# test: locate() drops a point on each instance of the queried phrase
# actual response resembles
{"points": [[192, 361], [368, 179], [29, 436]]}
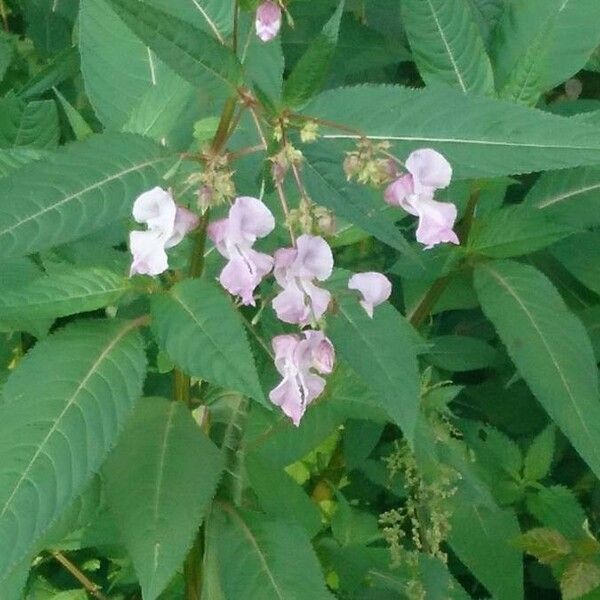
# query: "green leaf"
{"points": [[63, 409], [327, 185], [61, 67], [447, 44], [487, 13], [481, 137], [557, 507], [31, 125], [311, 70], [160, 480], [580, 255], [78, 124], [513, 231], [264, 559], [579, 578], [539, 457], [547, 545], [478, 533], [191, 53], [568, 51], [459, 353], [75, 191], [6, 55], [198, 327], [549, 346], [382, 353], [569, 196], [17, 157], [63, 294]]}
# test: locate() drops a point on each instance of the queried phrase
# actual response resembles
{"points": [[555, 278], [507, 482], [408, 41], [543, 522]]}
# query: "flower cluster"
{"points": [[299, 270], [268, 20]]}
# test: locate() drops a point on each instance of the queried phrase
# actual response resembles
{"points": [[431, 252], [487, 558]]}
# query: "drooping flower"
{"points": [[248, 220], [167, 225], [375, 288], [268, 20], [300, 359], [428, 171], [301, 301]]}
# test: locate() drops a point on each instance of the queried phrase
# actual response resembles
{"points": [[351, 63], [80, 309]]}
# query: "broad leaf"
{"points": [[61, 67], [198, 327], [570, 196], [191, 53], [549, 346], [459, 353], [311, 70], [17, 157], [447, 44], [580, 255], [574, 37], [62, 294], [31, 125], [481, 137], [76, 191], [382, 352], [63, 409], [264, 559], [159, 481]]}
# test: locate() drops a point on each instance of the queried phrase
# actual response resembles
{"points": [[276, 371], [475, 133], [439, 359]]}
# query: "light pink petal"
{"points": [[436, 220], [149, 256], [156, 208], [430, 170], [185, 221], [268, 21], [284, 259], [217, 232], [291, 307], [401, 193], [314, 258], [249, 219], [318, 301], [284, 346], [288, 396], [242, 274], [374, 287], [322, 352]]}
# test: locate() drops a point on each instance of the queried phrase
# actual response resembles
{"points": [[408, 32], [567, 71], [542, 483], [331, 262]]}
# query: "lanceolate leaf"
{"points": [[63, 408], [59, 295], [198, 327], [17, 157], [481, 137], [75, 191], [264, 559], [31, 125], [381, 351], [195, 55], [549, 346], [311, 70], [447, 44], [159, 481]]}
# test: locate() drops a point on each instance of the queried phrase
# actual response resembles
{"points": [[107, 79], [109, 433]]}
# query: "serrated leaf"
{"points": [[62, 294], [580, 255], [579, 578], [477, 533], [558, 508], [29, 125], [382, 353], [459, 353], [191, 53], [570, 196], [15, 158], [61, 67], [447, 45], [198, 327], [79, 126], [481, 137], [549, 346], [264, 559], [160, 480], [310, 71], [487, 13], [547, 545], [75, 191], [55, 431], [567, 52], [539, 457], [513, 231]]}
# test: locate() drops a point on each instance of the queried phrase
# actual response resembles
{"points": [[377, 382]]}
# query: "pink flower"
{"points": [[268, 20], [374, 287], [301, 301], [428, 171], [167, 225], [299, 358], [248, 220]]}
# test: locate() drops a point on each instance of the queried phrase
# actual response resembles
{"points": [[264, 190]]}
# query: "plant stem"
{"points": [[236, 19], [223, 130], [429, 301], [4, 15], [197, 259], [192, 569], [89, 585]]}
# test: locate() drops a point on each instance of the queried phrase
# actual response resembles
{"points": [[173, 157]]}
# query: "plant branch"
{"points": [[4, 15], [89, 585], [428, 302]]}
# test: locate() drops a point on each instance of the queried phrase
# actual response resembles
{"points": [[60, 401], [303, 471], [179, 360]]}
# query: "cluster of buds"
{"points": [[287, 157], [370, 163], [312, 218], [215, 183]]}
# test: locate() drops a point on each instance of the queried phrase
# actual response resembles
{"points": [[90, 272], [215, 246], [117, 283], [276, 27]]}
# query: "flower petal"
{"points": [[157, 209], [374, 287], [288, 396], [314, 258], [185, 221], [430, 171], [268, 20], [436, 220], [290, 305], [322, 352], [149, 256], [400, 193], [249, 219]]}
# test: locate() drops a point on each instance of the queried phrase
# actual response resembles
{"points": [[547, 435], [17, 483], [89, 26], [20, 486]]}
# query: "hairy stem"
{"points": [[90, 587]]}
